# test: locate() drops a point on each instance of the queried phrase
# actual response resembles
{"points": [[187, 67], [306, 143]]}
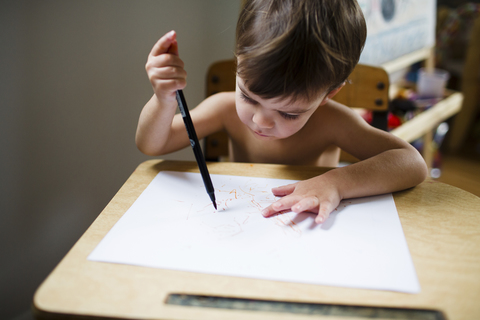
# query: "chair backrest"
{"points": [[367, 89], [221, 76]]}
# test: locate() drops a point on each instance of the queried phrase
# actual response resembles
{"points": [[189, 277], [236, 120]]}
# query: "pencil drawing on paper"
{"points": [[247, 200]]}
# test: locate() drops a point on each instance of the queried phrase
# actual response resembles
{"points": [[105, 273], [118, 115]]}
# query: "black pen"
{"points": [[192, 135]]}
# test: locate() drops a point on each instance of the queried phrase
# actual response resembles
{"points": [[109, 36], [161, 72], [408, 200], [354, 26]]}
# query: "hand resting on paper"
{"points": [[312, 195]]}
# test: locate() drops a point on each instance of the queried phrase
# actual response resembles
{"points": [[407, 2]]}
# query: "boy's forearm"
{"points": [[390, 171], [154, 126]]}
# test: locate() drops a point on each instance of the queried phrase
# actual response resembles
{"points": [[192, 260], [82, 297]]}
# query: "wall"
{"points": [[396, 28], [72, 84]]}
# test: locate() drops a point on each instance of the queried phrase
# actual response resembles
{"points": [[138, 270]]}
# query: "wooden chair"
{"points": [[367, 89]]}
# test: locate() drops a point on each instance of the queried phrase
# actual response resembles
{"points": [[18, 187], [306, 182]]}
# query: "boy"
{"points": [[293, 56]]}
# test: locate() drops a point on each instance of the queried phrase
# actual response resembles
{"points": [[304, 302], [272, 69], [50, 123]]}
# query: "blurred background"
{"points": [[72, 85]]}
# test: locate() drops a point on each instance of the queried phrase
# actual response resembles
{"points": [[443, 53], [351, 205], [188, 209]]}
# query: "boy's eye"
{"points": [[247, 99], [288, 116]]}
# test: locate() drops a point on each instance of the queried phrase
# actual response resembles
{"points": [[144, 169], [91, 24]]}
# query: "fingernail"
{"points": [[264, 212], [170, 34]]}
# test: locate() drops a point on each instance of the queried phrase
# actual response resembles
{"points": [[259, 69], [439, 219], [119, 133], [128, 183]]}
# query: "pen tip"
{"points": [[212, 197]]}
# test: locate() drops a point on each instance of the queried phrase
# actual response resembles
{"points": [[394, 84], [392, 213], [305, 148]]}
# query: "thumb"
{"points": [[173, 48], [166, 44], [284, 190]]}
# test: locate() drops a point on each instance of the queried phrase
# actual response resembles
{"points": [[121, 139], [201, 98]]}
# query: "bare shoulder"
{"points": [[334, 111], [337, 119], [212, 114], [217, 105], [220, 101], [354, 135]]}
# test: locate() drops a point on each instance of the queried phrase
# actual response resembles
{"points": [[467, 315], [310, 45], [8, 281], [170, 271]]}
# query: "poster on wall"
{"points": [[396, 28]]}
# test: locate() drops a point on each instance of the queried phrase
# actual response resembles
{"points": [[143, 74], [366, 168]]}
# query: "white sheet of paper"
{"points": [[173, 225]]}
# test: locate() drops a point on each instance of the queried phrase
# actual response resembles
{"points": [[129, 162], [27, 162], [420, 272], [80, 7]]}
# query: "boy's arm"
{"points": [[388, 164], [159, 130], [167, 75]]}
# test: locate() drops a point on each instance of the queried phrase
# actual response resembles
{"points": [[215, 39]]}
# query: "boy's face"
{"points": [[273, 119]]}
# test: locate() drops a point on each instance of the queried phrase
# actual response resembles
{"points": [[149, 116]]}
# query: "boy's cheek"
{"points": [[288, 129], [243, 114]]}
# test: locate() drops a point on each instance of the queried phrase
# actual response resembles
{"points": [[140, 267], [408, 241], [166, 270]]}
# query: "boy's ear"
{"points": [[331, 94]]}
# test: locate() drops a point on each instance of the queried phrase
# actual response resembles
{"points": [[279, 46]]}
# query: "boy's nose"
{"points": [[262, 120]]}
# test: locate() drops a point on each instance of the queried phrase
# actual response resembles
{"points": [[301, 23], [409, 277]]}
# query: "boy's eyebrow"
{"points": [[285, 111]]}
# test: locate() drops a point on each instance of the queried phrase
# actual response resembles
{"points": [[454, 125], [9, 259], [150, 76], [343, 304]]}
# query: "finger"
{"points": [[326, 208], [162, 61], [282, 204], [169, 72], [309, 204], [284, 190], [164, 44]]}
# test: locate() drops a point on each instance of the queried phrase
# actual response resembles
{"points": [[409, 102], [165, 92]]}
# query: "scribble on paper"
{"points": [[285, 221], [249, 199]]}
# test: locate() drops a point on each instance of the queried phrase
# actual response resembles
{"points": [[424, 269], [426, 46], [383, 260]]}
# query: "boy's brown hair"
{"points": [[296, 48]]}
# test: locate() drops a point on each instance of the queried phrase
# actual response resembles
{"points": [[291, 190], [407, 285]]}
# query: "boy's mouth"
{"points": [[261, 134]]}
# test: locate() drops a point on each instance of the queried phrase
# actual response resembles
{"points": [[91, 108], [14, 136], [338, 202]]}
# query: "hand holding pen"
{"points": [[168, 77], [165, 69]]}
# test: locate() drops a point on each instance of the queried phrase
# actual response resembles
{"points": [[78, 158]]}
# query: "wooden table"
{"points": [[441, 224]]}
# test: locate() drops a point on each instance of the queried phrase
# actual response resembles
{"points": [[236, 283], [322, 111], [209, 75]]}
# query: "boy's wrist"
{"points": [[166, 101], [336, 179]]}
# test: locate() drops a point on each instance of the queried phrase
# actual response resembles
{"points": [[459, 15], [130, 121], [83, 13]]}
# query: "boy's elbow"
{"points": [[146, 149], [147, 152]]}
